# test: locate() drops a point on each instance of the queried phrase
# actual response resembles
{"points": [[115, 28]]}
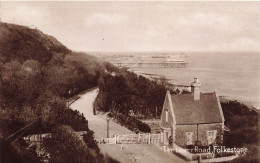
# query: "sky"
{"points": [[143, 26]]}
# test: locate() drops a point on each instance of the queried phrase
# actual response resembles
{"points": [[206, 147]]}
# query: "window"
{"points": [[188, 138], [166, 116], [167, 135], [211, 136]]}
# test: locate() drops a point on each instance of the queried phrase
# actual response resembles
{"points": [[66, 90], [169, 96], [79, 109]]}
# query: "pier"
{"points": [[151, 64]]}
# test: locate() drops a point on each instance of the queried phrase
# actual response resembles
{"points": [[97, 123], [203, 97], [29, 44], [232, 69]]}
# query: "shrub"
{"points": [[132, 123], [244, 130], [66, 146]]}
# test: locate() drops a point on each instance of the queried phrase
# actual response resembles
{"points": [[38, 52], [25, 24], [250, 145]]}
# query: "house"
{"points": [[192, 119]]}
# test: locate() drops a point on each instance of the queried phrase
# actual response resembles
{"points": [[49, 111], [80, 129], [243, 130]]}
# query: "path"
{"points": [[145, 153], [97, 123]]}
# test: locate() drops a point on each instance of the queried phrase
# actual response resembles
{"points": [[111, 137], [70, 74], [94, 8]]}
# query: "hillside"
{"points": [[22, 43], [37, 75], [28, 53]]}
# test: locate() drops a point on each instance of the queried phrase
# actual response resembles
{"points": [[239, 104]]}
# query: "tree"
{"points": [[66, 146]]}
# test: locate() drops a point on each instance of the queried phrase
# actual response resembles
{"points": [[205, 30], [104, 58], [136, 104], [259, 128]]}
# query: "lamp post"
{"points": [[108, 127]]}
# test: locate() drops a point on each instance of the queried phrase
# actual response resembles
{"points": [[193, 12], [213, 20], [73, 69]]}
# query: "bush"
{"points": [[132, 123], [244, 130], [66, 146], [125, 91]]}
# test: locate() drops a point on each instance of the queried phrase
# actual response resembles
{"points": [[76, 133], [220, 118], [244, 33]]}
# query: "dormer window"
{"points": [[166, 116]]}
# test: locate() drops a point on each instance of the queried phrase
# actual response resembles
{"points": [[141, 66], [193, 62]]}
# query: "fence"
{"points": [[37, 137], [155, 138], [40, 137], [131, 139]]}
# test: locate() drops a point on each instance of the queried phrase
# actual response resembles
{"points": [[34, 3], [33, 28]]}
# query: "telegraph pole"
{"points": [[108, 127]]}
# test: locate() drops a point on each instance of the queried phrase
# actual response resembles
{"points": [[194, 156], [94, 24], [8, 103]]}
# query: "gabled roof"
{"points": [[190, 111]]}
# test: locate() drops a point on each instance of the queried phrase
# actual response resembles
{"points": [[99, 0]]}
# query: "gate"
{"points": [[127, 139], [111, 140], [155, 138], [144, 138]]}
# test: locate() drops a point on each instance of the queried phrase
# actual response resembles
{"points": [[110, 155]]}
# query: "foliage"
{"points": [[121, 91], [90, 141], [10, 154], [22, 43], [37, 75], [66, 146], [243, 123], [126, 91], [132, 123]]}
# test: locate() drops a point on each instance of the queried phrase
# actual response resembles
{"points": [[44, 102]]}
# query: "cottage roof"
{"points": [[190, 111]]}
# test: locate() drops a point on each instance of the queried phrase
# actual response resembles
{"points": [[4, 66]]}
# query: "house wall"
{"points": [[180, 131], [166, 106], [203, 128], [166, 127], [165, 134], [180, 138]]}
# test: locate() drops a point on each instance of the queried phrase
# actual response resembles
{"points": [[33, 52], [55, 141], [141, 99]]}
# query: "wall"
{"points": [[202, 133], [203, 128], [166, 127], [166, 106], [180, 134]]}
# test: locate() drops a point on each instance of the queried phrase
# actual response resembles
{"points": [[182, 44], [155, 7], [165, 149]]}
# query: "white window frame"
{"points": [[211, 136], [189, 138]]}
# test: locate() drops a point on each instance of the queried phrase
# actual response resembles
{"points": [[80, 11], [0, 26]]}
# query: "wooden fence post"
{"points": [[149, 138], [138, 137]]}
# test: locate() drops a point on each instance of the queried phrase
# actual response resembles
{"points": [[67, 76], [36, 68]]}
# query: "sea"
{"points": [[234, 75]]}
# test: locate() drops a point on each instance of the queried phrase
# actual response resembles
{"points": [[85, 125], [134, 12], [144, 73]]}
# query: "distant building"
{"points": [[192, 119]]}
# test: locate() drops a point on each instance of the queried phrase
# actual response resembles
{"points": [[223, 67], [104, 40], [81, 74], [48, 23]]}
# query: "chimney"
{"points": [[195, 89]]}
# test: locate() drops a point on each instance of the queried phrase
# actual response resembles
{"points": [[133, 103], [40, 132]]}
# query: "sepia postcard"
{"points": [[129, 81]]}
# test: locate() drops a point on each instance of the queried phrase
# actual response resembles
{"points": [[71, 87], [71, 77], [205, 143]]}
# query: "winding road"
{"points": [[97, 123], [143, 153]]}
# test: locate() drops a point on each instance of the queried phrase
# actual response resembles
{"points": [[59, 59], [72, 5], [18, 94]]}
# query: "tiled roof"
{"points": [[190, 111]]}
